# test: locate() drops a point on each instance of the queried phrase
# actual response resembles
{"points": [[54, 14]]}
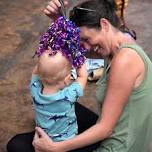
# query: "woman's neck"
{"points": [[125, 39], [121, 39]]}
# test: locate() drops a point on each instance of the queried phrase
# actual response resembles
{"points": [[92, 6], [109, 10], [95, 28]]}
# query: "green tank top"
{"points": [[133, 132]]}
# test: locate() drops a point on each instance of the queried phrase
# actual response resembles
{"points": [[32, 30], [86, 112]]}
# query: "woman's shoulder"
{"points": [[126, 61], [127, 56]]}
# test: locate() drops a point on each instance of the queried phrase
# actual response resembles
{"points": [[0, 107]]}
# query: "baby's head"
{"points": [[59, 50], [53, 69]]}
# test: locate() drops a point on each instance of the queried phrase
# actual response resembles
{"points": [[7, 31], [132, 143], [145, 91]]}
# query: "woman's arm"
{"points": [[122, 78]]}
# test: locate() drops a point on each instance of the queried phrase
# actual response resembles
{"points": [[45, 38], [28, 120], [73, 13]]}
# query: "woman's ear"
{"points": [[104, 23]]}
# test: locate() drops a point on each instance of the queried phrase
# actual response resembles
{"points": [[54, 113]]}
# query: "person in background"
{"points": [[121, 5]]}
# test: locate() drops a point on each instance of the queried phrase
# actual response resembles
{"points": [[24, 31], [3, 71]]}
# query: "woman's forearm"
{"points": [[90, 136]]}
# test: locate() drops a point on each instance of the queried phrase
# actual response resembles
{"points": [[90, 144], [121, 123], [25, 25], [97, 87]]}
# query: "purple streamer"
{"points": [[63, 35]]}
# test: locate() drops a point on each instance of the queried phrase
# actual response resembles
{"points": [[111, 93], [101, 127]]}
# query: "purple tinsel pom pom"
{"points": [[63, 35]]}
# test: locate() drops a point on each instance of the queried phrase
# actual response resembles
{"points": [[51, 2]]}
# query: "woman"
{"points": [[123, 92]]}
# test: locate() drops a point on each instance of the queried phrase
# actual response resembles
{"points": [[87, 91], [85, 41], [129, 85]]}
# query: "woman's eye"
{"points": [[84, 39]]}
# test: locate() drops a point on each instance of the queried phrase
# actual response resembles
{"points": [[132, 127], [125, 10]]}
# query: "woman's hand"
{"points": [[52, 9], [43, 143]]}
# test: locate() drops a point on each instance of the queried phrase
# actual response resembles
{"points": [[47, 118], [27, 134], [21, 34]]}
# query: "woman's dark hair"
{"points": [[90, 12]]}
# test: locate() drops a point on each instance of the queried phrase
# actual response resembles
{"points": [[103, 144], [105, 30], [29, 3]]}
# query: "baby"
{"points": [[54, 93]]}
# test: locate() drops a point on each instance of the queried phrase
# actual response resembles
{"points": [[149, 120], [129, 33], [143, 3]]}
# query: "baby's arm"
{"points": [[82, 75]]}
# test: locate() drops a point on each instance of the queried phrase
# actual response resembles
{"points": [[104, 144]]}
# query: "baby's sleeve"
{"points": [[74, 91], [34, 84]]}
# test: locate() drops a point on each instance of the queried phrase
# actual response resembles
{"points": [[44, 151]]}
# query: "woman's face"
{"points": [[96, 40]]}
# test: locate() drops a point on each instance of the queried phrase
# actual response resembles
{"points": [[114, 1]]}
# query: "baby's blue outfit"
{"points": [[55, 113]]}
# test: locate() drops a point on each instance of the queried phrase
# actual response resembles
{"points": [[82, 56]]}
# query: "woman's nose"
{"points": [[87, 46]]}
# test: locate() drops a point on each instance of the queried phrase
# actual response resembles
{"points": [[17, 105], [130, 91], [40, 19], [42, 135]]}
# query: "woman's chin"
{"points": [[93, 55]]}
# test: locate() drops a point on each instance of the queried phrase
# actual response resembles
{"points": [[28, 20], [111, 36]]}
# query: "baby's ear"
{"points": [[68, 79], [35, 70]]}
